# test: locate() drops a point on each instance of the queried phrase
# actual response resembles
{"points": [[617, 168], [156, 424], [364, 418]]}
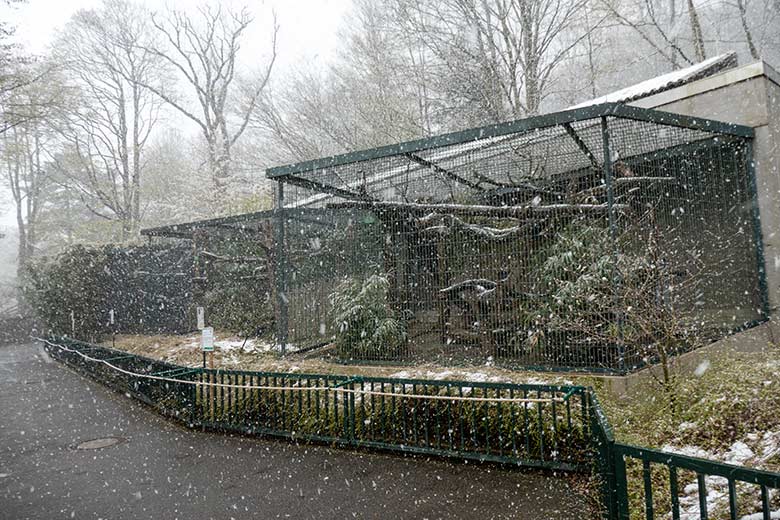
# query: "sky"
{"points": [[308, 27], [308, 30]]}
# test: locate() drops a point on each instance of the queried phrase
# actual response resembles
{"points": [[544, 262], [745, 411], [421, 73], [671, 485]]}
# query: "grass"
{"points": [[730, 399], [737, 398]]}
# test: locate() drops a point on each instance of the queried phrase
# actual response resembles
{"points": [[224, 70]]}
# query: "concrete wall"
{"points": [[761, 339], [749, 96]]}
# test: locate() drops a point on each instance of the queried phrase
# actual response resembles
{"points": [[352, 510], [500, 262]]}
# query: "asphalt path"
{"points": [[161, 470]]}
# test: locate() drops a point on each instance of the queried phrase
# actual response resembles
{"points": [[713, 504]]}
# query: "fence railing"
{"points": [[531, 425], [646, 483], [657, 479], [548, 426]]}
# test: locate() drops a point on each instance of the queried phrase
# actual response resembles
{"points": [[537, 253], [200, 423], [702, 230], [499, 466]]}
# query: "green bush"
{"points": [[75, 281], [366, 326], [147, 287]]}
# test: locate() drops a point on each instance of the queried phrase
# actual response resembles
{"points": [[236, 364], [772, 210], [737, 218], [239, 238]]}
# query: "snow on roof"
{"points": [[667, 81], [435, 156]]}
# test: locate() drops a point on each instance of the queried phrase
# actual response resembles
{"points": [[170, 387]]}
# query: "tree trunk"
{"points": [[531, 60], [23, 249], [746, 28], [136, 178], [698, 37]]}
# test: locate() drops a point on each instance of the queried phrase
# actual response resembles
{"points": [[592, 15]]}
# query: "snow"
{"points": [[686, 426], [702, 368], [662, 82], [739, 453], [487, 232], [689, 451], [232, 345], [770, 445], [474, 376]]}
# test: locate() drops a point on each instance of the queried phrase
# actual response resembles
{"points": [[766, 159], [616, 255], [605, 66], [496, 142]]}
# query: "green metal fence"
{"points": [[665, 475], [637, 482], [546, 426], [530, 425]]}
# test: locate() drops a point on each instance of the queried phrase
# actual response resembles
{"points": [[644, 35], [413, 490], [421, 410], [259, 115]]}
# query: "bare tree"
{"points": [[26, 146], [749, 40], [504, 51], [378, 90], [648, 22], [204, 51], [696, 32], [17, 71], [22, 146], [111, 115]]}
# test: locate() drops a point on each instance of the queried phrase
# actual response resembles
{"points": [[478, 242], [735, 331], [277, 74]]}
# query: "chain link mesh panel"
{"points": [[527, 247]]}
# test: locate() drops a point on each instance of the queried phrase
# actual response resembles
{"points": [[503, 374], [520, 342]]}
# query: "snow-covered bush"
{"points": [[597, 290], [73, 282], [365, 324], [585, 280]]}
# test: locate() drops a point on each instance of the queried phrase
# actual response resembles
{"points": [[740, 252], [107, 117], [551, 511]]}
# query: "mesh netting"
{"points": [[526, 247]]}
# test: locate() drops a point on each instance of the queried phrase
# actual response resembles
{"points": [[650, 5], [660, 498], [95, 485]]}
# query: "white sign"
{"points": [[111, 316], [201, 318], [207, 339]]}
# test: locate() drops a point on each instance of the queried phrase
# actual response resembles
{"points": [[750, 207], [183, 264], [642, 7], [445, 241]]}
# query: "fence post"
{"points": [[280, 270], [621, 482], [352, 418], [608, 180], [603, 445]]}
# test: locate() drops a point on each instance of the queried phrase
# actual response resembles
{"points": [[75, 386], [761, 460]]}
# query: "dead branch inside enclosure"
{"points": [[594, 238]]}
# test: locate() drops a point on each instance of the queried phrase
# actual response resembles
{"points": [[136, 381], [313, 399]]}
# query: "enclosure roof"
{"points": [[520, 126], [667, 81], [186, 229]]}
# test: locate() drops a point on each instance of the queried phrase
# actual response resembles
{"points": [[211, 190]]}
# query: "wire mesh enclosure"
{"points": [[231, 266], [601, 238]]}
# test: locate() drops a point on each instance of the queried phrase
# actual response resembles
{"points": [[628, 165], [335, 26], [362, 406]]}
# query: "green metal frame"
{"points": [[702, 467], [758, 236], [280, 268], [513, 127], [185, 229]]}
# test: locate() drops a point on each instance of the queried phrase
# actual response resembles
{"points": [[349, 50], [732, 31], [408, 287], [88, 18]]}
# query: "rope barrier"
{"points": [[312, 388]]}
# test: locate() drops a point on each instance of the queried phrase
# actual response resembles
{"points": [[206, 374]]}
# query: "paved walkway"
{"points": [[163, 471]]}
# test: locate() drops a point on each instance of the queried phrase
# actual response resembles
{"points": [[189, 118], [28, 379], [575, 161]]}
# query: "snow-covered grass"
{"points": [[478, 376], [262, 355], [230, 351], [737, 398], [728, 410], [765, 447]]}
